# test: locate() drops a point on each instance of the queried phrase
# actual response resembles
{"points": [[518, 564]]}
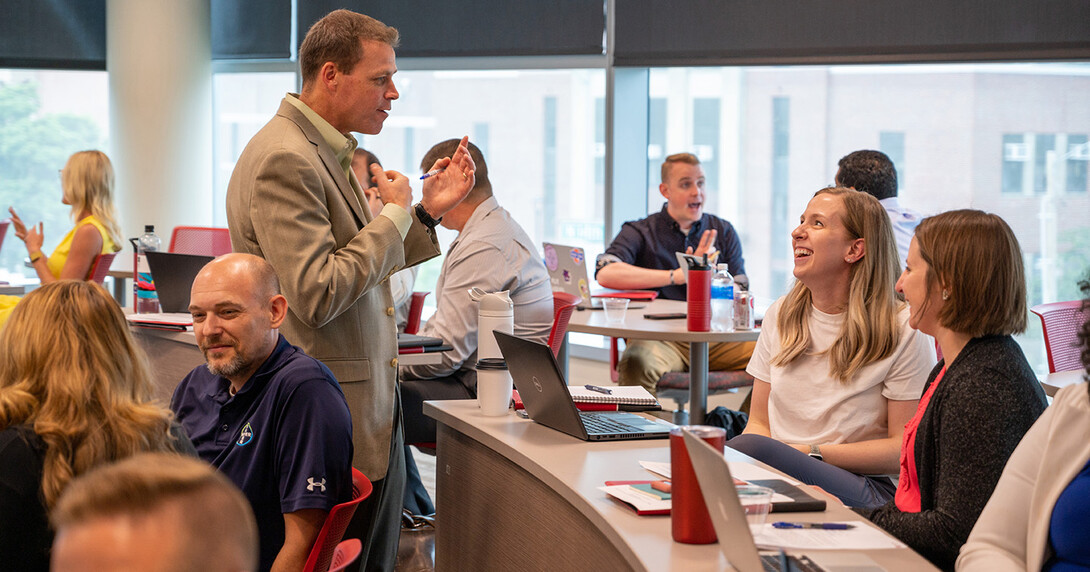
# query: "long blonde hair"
{"points": [[88, 183], [870, 331], [71, 371]]}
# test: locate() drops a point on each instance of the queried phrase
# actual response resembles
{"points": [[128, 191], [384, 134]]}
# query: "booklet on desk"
{"points": [[626, 398]]}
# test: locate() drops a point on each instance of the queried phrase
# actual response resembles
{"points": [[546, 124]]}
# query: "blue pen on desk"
{"points": [[432, 173], [599, 389], [818, 525]]}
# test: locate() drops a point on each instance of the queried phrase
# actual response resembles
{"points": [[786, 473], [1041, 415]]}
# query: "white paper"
{"points": [[743, 471], [637, 498], [659, 468], [861, 537], [178, 318]]}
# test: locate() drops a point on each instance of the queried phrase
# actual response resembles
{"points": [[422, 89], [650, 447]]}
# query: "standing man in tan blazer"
{"points": [[294, 201]]}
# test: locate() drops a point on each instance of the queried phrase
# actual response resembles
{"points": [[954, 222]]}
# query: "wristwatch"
{"points": [[425, 217], [815, 452]]}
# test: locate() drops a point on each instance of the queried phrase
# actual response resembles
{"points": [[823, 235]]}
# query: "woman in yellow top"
{"points": [[87, 184]]}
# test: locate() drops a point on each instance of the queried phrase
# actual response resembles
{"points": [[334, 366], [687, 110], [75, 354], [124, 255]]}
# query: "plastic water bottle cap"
{"points": [[499, 302]]}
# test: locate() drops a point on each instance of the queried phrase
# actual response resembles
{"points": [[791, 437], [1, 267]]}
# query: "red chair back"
{"points": [[202, 240], [416, 306], [100, 267], [346, 553], [333, 530], [563, 305], [1061, 322]]}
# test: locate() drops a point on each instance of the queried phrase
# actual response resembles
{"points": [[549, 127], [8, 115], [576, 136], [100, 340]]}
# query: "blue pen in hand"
{"points": [[432, 173], [818, 525], [599, 389]]}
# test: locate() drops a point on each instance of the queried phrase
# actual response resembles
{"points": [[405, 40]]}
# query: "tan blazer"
{"points": [[290, 203]]}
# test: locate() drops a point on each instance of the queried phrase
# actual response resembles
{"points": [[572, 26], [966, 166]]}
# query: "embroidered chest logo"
{"points": [[312, 484], [246, 436]]}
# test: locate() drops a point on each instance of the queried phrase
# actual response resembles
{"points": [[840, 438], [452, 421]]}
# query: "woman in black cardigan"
{"points": [[965, 285]]}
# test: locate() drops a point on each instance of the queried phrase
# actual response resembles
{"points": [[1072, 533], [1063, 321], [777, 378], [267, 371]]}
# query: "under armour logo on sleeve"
{"points": [[313, 483]]}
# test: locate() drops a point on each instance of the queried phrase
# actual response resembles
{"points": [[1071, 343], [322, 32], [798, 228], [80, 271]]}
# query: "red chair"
{"points": [[563, 305], [202, 240], [346, 553], [1061, 322], [329, 538], [100, 267], [416, 306]]}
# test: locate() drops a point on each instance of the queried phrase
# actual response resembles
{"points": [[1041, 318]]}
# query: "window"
{"points": [[45, 116], [539, 130], [962, 136], [242, 104]]}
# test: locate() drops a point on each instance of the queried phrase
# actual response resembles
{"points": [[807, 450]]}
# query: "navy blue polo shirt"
{"points": [[651, 243], [285, 438]]}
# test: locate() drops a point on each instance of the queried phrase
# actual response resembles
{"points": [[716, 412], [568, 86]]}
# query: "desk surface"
{"points": [[1056, 381], [638, 327], [543, 473]]}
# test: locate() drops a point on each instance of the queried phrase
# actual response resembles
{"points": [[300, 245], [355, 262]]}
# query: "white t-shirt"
{"points": [[808, 405]]}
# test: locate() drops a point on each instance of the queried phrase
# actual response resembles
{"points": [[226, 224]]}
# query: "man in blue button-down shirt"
{"points": [[268, 416]]}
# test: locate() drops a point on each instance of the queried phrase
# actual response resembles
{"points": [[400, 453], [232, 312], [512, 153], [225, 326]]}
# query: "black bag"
{"points": [[734, 422]]}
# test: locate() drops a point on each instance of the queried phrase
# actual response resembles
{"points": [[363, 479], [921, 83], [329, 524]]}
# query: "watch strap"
{"points": [[425, 217]]}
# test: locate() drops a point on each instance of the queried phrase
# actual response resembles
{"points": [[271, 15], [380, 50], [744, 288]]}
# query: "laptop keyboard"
{"points": [[606, 424], [772, 563]]}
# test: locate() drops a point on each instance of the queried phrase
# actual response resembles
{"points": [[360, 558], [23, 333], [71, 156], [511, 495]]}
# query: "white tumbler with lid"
{"points": [[496, 312]]}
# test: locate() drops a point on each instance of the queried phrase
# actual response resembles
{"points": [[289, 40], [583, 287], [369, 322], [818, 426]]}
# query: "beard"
{"points": [[232, 367]]}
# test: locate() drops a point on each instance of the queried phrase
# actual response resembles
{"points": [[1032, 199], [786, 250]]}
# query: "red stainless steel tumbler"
{"points": [[689, 518], [699, 296]]}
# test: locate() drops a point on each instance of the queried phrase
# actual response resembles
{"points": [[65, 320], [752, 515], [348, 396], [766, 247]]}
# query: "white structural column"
{"points": [[158, 55]]}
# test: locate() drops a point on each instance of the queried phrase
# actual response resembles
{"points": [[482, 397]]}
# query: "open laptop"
{"points": [[173, 275], [548, 402], [567, 266], [735, 537]]}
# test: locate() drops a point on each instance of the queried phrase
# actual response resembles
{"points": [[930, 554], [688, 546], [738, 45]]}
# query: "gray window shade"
{"points": [[431, 28], [719, 32], [251, 29], [53, 34]]}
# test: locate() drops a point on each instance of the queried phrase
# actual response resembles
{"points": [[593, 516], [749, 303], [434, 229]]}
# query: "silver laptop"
{"points": [[567, 266], [736, 539], [548, 401]]}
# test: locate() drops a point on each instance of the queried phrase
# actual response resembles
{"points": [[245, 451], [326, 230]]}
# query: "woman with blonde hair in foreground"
{"points": [[837, 369], [87, 185], [75, 392]]}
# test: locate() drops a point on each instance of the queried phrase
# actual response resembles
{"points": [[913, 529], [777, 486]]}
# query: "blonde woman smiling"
{"points": [[838, 369]]}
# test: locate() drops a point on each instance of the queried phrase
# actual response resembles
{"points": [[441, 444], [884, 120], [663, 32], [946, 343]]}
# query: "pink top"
{"points": [[908, 488]]}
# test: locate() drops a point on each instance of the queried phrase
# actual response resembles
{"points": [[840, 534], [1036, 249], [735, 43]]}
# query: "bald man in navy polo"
{"points": [[268, 416]]}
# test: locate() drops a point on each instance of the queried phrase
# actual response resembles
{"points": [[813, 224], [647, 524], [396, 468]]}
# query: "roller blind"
{"points": [[251, 29], [718, 32], [53, 34], [431, 28]]}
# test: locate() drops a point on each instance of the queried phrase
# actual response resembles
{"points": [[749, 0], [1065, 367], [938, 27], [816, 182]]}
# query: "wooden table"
{"points": [[637, 327], [515, 495]]}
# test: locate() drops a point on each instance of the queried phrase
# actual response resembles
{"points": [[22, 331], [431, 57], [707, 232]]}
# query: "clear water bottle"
{"points": [[147, 301], [722, 300]]}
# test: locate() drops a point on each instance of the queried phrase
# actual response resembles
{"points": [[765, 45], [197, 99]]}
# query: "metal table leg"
{"points": [[698, 382]]}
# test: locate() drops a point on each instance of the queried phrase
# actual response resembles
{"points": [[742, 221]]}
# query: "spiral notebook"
{"points": [[621, 395]]}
